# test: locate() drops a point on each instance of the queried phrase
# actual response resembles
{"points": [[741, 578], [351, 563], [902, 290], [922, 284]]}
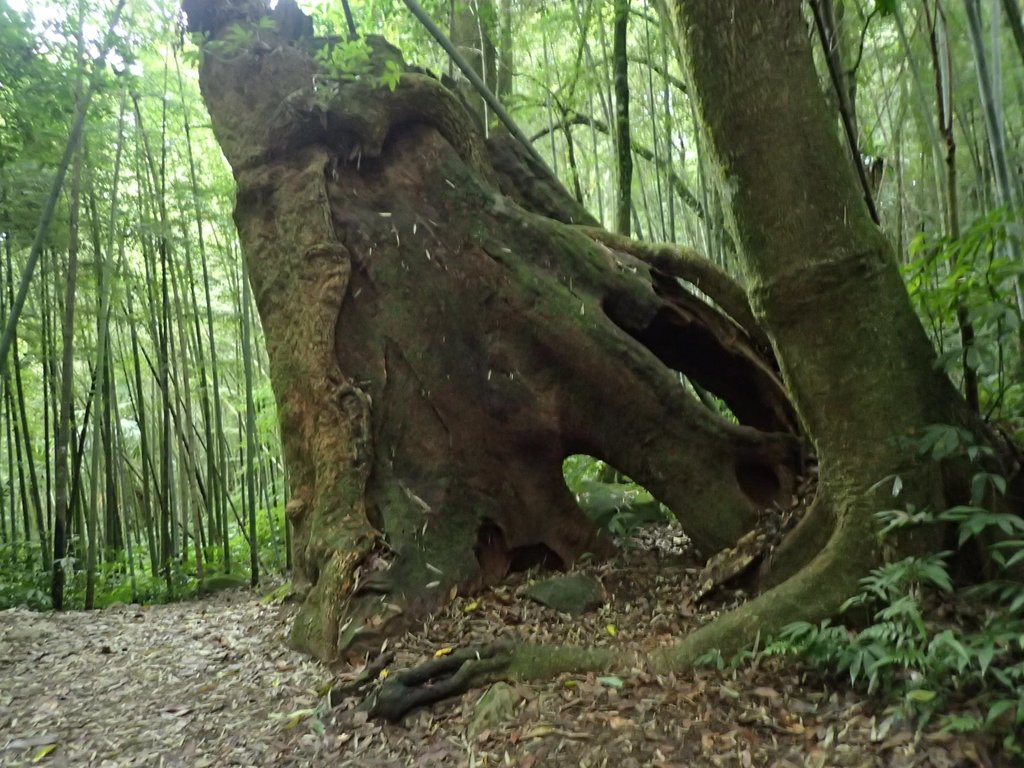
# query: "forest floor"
{"points": [[212, 683]]}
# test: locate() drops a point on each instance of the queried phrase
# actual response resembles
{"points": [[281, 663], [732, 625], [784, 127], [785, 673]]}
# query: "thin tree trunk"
{"points": [[77, 494], [212, 424], [1013, 18], [16, 468], [5, 495], [103, 259], [61, 469], [623, 146], [8, 499], [506, 55], [81, 107], [123, 486], [113, 527], [548, 98], [139, 401], [22, 415], [162, 336], [655, 141], [992, 109], [193, 497], [669, 130], [942, 66], [250, 426], [50, 387]]}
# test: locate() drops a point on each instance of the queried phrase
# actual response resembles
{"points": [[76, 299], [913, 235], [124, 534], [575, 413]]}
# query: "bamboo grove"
{"points": [[139, 438], [139, 450]]}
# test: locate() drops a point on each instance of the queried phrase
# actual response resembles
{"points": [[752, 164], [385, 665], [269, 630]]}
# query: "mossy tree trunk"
{"points": [[825, 285], [438, 347]]}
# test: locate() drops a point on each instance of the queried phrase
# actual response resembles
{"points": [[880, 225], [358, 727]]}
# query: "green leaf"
{"points": [[985, 656], [921, 695], [1018, 602], [998, 708], [43, 752], [292, 719], [972, 358], [611, 681]]}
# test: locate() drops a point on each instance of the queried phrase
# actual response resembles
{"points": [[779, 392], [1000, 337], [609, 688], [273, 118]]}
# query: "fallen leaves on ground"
{"points": [[213, 683]]}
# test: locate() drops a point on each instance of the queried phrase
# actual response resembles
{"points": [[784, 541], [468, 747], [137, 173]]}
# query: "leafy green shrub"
{"points": [[19, 585], [933, 650], [613, 501], [974, 274]]}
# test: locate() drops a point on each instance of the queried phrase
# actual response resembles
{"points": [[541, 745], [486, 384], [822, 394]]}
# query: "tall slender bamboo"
{"points": [[32, 499], [214, 432], [123, 487], [943, 71], [191, 496], [61, 470], [250, 425], [81, 107], [988, 88]]}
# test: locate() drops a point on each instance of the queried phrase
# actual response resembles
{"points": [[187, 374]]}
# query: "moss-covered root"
{"points": [[435, 680], [814, 593], [317, 627], [458, 672]]}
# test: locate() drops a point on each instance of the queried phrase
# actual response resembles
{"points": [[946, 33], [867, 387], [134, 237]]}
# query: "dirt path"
{"points": [[189, 684], [212, 683]]}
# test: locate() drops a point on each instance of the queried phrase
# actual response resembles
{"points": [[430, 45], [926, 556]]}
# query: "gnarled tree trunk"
{"points": [[442, 334], [825, 285]]}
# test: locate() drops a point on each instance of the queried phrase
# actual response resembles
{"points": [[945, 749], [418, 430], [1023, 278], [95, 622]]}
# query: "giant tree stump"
{"points": [[442, 333]]}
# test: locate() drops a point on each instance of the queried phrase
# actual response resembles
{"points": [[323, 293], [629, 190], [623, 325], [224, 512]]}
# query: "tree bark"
{"points": [[437, 350], [852, 351], [826, 287]]}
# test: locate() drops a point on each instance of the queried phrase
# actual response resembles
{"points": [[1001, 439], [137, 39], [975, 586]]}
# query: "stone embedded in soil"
{"points": [[575, 594]]}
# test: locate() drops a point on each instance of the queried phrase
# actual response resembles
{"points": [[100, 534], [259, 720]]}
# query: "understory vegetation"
{"points": [[934, 645], [941, 637], [118, 581]]}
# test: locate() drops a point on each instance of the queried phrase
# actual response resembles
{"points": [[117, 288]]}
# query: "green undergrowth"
{"points": [[977, 275], [23, 583], [933, 647], [614, 502]]}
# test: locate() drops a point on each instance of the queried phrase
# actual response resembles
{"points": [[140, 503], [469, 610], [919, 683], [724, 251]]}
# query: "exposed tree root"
{"points": [[469, 668], [436, 680], [814, 593]]}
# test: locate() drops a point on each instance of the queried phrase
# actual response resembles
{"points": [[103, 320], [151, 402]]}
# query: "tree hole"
{"points": [[497, 559], [758, 482], [609, 498]]}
